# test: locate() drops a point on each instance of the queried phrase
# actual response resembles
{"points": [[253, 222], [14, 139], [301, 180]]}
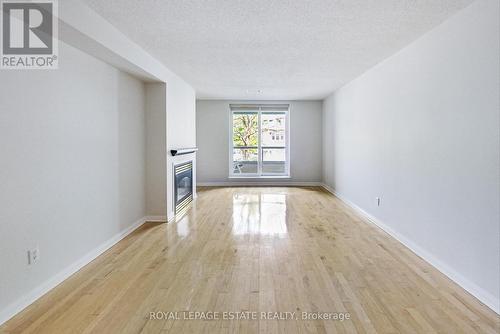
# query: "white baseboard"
{"points": [[155, 219], [482, 295], [19, 305], [328, 188], [51, 283], [239, 183]]}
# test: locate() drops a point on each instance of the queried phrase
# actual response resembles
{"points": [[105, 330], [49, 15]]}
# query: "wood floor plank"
{"points": [[258, 251]]}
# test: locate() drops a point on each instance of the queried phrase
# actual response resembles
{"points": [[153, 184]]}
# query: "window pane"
{"points": [[273, 129], [259, 142], [273, 160], [245, 160], [245, 129]]}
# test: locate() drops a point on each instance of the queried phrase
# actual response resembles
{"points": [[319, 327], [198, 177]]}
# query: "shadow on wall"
{"points": [[131, 149]]}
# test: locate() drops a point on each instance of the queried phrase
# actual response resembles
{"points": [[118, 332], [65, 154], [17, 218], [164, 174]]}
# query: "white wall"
{"points": [[171, 124], [81, 27], [421, 131], [73, 174], [156, 150], [181, 132], [212, 129], [72, 159]]}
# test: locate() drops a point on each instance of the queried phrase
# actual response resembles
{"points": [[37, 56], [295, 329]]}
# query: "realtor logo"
{"points": [[29, 34]]}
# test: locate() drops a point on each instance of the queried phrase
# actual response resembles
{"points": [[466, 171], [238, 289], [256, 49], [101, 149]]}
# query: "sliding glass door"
{"points": [[259, 141], [245, 134]]}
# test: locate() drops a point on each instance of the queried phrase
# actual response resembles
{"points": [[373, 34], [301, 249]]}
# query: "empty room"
{"points": [[265, 166]]}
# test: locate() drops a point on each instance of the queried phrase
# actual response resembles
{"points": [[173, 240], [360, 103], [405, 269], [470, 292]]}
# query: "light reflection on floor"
{"points": [[263, 214], [183, 227]]}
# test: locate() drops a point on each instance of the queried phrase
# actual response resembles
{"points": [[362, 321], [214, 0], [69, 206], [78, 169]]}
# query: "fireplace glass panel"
{"points": [[183, 185]]}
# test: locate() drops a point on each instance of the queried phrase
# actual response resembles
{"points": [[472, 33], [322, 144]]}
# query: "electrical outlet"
{"points": [[33, 256], [377, 201]]}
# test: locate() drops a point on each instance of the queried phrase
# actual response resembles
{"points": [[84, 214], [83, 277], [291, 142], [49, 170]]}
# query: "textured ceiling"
{"points": [[273, 49]]}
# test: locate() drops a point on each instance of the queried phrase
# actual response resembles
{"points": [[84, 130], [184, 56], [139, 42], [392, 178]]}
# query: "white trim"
{"points": [[259, 146], [14, 308], [260, 183], [155, 219], [29, 298], [241, 177], [482, 295], [328, 188]]}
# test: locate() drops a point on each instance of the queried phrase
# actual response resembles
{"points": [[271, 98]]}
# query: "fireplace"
{"points": [[183, 185]]}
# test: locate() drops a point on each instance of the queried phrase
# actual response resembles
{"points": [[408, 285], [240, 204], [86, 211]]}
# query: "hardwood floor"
{"points": [[258, 250]]}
